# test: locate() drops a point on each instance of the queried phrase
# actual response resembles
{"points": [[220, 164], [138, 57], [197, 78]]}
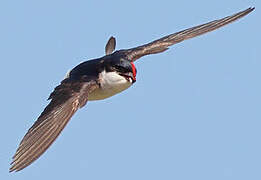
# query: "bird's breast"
{"points": [[111, 83]]}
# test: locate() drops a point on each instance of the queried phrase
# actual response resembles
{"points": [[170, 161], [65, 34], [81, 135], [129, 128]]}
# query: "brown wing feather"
{"points": [[67, 98], [162, 44]]}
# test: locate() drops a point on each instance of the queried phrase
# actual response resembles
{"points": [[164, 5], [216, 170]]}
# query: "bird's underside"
{"points": [[73, 93]]}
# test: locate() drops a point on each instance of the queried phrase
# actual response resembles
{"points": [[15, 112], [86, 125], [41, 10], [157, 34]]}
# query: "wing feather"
{"points": [[162, 44], [67, 98]]}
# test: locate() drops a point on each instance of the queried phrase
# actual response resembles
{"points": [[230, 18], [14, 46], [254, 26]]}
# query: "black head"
{"points": [[122, 66]]}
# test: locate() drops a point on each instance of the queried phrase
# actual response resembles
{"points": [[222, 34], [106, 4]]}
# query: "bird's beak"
{"points": [[128, 76], [132, 76], [133, 79]]}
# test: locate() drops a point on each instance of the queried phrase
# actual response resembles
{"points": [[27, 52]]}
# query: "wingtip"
{"points": [[247, 11], [14, 170], [11, 169], [112, 37], [250, 9]]}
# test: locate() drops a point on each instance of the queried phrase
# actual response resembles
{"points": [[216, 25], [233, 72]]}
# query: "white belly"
{"points": [[111, 84]]}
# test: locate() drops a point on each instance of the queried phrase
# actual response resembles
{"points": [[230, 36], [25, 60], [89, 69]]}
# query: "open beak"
{"points": [[129, 76]]}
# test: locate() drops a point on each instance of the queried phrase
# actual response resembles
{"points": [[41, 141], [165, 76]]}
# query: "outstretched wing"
{"points": [[67, 98], [162, 44]]}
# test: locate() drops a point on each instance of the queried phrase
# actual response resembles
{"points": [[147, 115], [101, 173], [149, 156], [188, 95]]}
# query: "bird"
{"points": [[97, 79]]}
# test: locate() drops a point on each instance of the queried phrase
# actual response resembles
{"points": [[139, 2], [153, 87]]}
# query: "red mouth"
{"points": [[133, 70]]}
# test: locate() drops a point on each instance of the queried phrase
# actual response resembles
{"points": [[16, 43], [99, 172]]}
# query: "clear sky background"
{"points": [[194, 112]]}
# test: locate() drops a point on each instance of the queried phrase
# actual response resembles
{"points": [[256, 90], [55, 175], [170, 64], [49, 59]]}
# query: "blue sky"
{"points": [[194, 112]]}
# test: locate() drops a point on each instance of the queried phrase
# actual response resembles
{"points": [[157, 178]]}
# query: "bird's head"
{"points": [[123, 67]]}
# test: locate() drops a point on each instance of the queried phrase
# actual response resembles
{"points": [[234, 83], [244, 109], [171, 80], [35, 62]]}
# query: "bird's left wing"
{"points": [[162, 44], [67, 98]]}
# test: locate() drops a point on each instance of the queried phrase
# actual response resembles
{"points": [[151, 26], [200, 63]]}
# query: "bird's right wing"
{"points": [[67, 98], [162, 44]]}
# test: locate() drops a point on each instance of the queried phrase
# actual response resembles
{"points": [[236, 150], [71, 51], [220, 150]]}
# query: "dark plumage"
{"points": [[99, 78]]}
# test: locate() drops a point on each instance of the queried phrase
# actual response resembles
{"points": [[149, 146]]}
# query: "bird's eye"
{"points": [[121, 69]]}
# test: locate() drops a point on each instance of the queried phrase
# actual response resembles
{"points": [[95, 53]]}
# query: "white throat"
{"points": [[111, 83]]}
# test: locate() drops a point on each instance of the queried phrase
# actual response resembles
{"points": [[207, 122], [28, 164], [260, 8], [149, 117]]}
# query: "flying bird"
{"points": [[96, 79]]}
